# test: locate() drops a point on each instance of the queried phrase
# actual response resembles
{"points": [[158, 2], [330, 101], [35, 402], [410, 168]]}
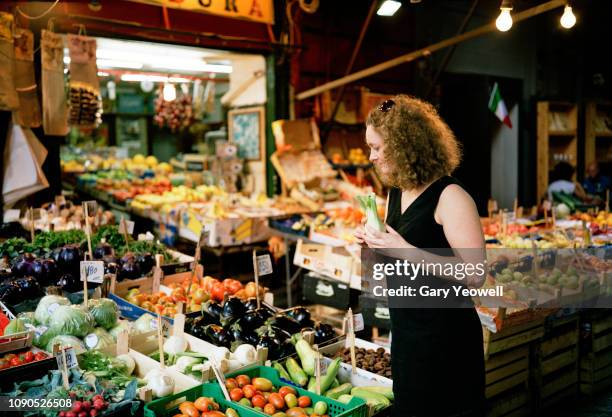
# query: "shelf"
{"points": [[603, 134], [562, 133]]}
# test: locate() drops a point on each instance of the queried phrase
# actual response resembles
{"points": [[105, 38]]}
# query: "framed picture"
{"points": [[246, 130]]}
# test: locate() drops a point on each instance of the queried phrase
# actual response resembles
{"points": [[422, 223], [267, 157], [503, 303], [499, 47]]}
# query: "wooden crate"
{"points": [[556, 361], [507, 370], [516, 403], [596, 354], [510, 337]]}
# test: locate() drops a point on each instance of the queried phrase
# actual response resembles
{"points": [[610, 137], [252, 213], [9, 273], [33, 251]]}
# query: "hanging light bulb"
{"points": [[169, 92], [568, 20], [504, 20]]}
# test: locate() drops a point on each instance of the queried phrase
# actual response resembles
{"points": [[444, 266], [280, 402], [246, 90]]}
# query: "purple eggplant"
{"points": [[9, 294], [28, 288], [146, 262], [129, 270], [301, 315], [233, 308], [23, 265], [284, 322], [103, 250], [324, 332], [70, 283], [45, 271], [218, 336], [213, 308], [70, 258]]}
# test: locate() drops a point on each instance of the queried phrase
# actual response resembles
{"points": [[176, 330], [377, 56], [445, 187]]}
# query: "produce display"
{"points": [[14, 359], [377, 361], [65, 217]]}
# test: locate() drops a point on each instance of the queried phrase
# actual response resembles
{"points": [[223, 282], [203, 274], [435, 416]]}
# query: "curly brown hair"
{"points": [[418, 143]]}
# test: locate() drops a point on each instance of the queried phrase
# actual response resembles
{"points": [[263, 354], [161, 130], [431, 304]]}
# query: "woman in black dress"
{"points": [[437, 353]]}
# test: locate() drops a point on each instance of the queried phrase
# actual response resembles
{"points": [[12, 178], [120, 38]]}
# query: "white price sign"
{"points": [[264, 265], [92, 271], [71, 359], [358, 321], [11, 216], [129, 227]]}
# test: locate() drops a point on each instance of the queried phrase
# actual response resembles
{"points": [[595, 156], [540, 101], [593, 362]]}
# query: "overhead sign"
{"points": [[256, 10]]}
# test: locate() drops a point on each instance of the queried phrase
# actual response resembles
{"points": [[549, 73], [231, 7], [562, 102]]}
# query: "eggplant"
{"points": [[250, 304], [127, 257], [286, 349], [6, 276], [265, 312], [9, 293], [301, 315], [111, 268], [233, 308], [242, 335], [70, 258], [274, 346], [146, 262], [324, 332], [103, 250], [128, 270], [45, 271], [213, 308], [55, 255], [23, 265], [251, 320], [217, 335], [28, 287], [69, 282], [284, 322]]}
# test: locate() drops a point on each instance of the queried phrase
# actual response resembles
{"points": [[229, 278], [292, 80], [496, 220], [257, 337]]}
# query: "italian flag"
{"points": [[497, 106]]}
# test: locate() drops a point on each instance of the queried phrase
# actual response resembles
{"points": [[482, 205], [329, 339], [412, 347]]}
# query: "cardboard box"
{"points": [[335, 263]]}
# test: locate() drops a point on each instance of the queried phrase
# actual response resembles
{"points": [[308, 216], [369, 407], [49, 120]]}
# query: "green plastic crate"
{"points": [[355, 408], [168, 406]]}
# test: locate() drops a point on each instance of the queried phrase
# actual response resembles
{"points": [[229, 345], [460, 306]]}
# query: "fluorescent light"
{"points": [[179, 80], [164, 61], [110, 63], [144, 77], [388, 8], [169, 92], [103, 74]]}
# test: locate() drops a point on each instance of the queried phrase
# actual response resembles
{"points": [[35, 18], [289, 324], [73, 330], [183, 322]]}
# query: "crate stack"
{"points": [[596, 351], [508, 358], [556, 360]]}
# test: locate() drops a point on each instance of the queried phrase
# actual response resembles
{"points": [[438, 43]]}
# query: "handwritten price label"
{"points": [[92, 271], [71, 359], [264, 265]]}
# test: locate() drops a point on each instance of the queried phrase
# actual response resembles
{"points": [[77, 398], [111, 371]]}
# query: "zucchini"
{"points": [[343, 389], [374, 400], [281, 371], [306, 354], [297, 374], [386, 391]]}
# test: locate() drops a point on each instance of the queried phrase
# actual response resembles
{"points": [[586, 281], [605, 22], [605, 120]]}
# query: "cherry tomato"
{"points": [[230, 384], [277, 401], [243, 380], [258, 401], [236, 394], [304, 401], [269, 409], [249, 391], [286, 390]]}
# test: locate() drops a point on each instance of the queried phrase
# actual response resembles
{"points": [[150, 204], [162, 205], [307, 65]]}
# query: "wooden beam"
{"points": [[428, 50]]}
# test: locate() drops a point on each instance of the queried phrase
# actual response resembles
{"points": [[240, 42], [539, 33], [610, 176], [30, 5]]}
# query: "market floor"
{"points": [[599, 406]]}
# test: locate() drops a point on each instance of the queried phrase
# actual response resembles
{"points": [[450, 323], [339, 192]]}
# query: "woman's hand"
{"points": [[375, 239]]}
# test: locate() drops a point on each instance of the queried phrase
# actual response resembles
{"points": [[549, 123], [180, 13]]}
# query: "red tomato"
{"points": [[40, 356], [269, 409], [4, 364], [277, 401], [230, 383], [232, 285], [29, 356], [304, 401], [258, 401], [249, 391], [236, 394], [16, 361], [218, 292], [243, 380], [286, 390]]}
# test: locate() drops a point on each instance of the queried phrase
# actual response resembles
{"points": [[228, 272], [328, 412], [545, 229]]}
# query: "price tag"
{"points": [[11, 216], [92, 271], [91, 340], [264, 264], [204, 235], [71, 359], [91, 206], [129, 227], [323, 364], [358, 320]]}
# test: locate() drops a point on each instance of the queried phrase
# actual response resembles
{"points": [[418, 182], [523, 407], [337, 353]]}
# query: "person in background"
{"points": [[596, 184], [563, 182]]}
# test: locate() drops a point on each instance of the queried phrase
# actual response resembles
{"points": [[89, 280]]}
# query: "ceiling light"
{"points": [[111, 63], [388, 8], [143, 77], [504, 20], [568, 20], [103, 74]]}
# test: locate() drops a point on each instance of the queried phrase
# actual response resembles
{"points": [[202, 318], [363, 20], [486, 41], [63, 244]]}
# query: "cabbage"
{"points": [[27, 317], [47, 306], [15, 326], [66, 342], [98, 339], [121, 326], [145, 324], [72, 321], [42, 336], [104, 312]]}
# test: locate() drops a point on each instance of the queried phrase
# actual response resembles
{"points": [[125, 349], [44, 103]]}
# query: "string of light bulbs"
{"points": [[504, 20]]}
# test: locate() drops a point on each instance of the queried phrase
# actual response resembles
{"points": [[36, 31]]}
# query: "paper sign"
{"points": [[93, 271], [129, 225], [358, 321], [71, 359], [204, 235], [11, 216], [91, 340], [264, 264]]}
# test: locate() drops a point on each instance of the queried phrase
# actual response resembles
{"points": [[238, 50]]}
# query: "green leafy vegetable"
{"points": [[72, 320], [368, 205], [104, 311]]}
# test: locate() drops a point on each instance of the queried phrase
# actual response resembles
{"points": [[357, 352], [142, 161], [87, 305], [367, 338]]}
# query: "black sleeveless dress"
{"points": [[437, 354]]}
